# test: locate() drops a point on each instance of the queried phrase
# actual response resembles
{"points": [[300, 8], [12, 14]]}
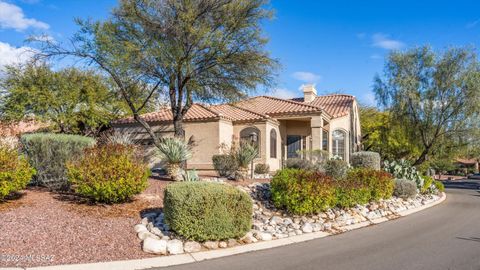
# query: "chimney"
{"points": [[309, 92]]}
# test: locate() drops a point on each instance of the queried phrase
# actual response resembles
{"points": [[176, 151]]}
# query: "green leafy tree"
{"points": [[73, 100], [432, 96], [382, 135], [203, 50]]}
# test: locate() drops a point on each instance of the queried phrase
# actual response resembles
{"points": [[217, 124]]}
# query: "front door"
{"points": [[293, 145]]}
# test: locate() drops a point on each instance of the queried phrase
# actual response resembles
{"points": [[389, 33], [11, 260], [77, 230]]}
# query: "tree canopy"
{"points": [[72, 100], [205, 50], [433, 97]]}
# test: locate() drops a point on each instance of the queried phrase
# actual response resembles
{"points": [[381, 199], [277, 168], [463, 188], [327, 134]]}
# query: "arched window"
{"points": [[338, 143], [252, 135], [273, 143]]}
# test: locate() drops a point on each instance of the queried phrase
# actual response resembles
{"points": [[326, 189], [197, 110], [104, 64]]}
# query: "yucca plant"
{"points": [[174, 152], [244, 155]]}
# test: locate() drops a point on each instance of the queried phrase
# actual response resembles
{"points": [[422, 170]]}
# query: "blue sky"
{"points": [[337, 45]]}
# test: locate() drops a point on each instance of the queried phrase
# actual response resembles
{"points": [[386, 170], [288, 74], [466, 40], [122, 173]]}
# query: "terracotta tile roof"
{"points": [[235, 113], [275, 106], [336, 105], [196, 113], [466, 161], [18, 128]]}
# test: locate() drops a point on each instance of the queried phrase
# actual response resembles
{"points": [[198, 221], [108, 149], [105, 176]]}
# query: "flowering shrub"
{"points": [[108, 173]]}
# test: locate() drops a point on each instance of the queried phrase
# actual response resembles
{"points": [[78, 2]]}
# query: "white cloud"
{"points": [[12, 17], [285, 93], [472, 24], [307, 77], [10, 55], [383, 41]]}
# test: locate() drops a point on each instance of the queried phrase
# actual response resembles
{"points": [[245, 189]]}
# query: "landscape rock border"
{"points": [[163, 261]]}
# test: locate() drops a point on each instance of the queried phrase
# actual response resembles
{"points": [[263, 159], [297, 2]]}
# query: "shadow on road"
{"points": [[462, 184]]}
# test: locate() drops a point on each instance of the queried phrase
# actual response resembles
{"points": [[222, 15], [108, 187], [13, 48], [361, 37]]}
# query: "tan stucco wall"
{"points": [[206, 135]]}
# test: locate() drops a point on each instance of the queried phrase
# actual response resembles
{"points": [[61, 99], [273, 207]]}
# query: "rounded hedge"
{"points": [[108, 173], [365, 159], [204, 211], [15, 172], [302, 191]]}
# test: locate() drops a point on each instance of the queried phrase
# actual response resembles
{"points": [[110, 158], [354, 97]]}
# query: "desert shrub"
{"points": [[174, 152], [262, 168], [439, 185], [48, 154], [379, 183], [404, 188], [427, 184], [302, 192], [298, 163], [365, 159], [109, 173], [244, 155], [204, 211], [15, 171], [336, 168], [404, 170], [225, 165]]}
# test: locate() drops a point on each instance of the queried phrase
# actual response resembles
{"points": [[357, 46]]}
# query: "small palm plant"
{"points": [[244, 155], [174, 151]]}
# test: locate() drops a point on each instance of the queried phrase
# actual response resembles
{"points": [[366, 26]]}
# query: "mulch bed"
{"points": [[40, 228]]}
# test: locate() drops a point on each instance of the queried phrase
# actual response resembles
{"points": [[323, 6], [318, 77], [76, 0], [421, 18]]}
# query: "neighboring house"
{"points": [[280, 127]]}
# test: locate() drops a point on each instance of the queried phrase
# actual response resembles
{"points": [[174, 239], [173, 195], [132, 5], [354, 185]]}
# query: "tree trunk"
{"points": [[422, 158], [179, 132]]}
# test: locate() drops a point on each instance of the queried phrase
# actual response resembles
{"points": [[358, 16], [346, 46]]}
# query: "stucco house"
{"points": [[280, 127]]}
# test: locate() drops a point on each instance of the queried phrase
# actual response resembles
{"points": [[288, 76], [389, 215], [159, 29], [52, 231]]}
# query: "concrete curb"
{"points": [[211, 254]]}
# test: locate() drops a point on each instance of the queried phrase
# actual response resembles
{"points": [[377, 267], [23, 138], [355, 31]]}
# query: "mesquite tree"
{"points": [[433, 96], [205, 50]]}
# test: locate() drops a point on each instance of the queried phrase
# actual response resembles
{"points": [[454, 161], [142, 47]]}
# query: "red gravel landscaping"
{"points": [[42, 228]]}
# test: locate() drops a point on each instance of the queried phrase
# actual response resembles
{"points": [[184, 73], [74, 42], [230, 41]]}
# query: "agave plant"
{"points": [[190, 176], [174, 152], [244, 155]]}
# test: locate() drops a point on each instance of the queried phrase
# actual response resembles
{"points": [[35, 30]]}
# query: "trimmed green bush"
{"points": [[48, 154], [15, 172], [405, 188], [298, 163], [203, 211], [336, 168], [225, 165], [365, 159], [379, 183], [109, 174], [351, 192], [262, 168], [302, 192]]}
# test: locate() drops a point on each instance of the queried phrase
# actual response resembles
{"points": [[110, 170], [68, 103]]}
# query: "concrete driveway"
{"points": [[443, 237]]}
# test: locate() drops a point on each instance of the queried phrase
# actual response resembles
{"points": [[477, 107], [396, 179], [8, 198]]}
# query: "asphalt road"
{"points": [[446, 236]]}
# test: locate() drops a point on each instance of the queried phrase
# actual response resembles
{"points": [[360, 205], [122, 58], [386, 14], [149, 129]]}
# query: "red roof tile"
{"points": [[336, 105], [235, 113], [196, 113], [275, 106]]}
